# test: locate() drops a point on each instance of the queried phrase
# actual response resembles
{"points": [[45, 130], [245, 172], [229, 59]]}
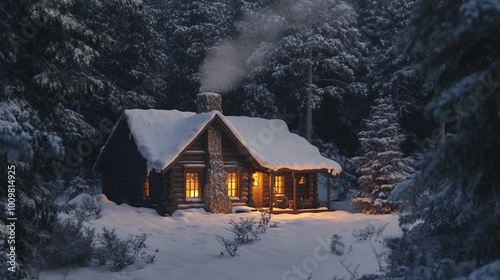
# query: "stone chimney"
{"points": [[215, 188], [208, 101]]}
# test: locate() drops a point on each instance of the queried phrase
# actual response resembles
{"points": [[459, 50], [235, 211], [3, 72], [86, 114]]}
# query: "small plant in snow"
{"points": [[230, 245], [149, 258], [265, 221], [369, 232], [265, 218], [246, 230], [337, 246]]}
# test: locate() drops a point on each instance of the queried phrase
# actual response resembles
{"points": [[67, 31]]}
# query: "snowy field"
{"points": [[297, 248]]}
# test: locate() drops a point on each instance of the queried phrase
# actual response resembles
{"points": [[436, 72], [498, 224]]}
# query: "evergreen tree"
{"points": [[393, 72], [292, 37], [383, 165], [191, 29], [457, 198]]}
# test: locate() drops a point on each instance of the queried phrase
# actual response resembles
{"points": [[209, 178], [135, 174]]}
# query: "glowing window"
{"points": [[232, 184], [193, 185], [255, 177], [145, 185], [302, 180], [279, 184]]}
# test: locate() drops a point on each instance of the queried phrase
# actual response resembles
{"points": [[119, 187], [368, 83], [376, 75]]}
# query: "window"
{"points": [[279, 184], [255, 177], [193, 185], [145, 185], [232, 184], [302, 180]]}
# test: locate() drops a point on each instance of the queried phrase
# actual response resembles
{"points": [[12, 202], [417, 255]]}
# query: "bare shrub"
{"points": [[230, 245], [337, 246], [245, 230], [121, 252], [369, 232]]}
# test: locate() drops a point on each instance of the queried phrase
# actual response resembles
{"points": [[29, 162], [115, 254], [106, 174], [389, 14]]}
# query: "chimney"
{"points": [[215, 188], [208, 101]]}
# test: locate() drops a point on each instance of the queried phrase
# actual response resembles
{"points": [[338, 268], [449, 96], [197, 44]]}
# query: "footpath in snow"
{"points": [[296, 249]]}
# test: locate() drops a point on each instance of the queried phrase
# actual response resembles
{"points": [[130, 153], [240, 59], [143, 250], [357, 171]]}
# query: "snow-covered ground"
{"points": [[297, 248]]}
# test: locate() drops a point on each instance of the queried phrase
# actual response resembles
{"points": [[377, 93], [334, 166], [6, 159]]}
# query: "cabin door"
{"points": [[258, 189]]}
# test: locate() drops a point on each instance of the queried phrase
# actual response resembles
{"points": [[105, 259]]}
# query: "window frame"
{"points": [[236, 171], [200, 184], [282, 187]]}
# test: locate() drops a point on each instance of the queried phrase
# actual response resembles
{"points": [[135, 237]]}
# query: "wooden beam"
{"points": [[294, 191], [328, 190], [271, 191]]}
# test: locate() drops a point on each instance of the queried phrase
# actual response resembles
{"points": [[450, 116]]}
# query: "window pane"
{"points": [[232, 184], [279, 184], [302, 180], [192, 184]]}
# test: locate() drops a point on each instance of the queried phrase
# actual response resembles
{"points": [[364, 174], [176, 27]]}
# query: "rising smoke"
{"points": [[226, 63]]}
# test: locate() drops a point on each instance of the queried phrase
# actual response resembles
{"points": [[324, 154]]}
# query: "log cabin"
{"points": [[170, 160]]}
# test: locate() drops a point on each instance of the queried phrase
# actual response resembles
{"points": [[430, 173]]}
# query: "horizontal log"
{"points": [[187, 206], [239, 204], [197, 152]]}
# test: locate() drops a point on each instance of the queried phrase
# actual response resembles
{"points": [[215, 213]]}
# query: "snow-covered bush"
{"points": [[76, 187], [86, 207], [121, 252], [71, 243]]}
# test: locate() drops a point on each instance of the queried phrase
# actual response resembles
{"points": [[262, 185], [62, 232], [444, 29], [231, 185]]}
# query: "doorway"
{"points": [[258, 189]]}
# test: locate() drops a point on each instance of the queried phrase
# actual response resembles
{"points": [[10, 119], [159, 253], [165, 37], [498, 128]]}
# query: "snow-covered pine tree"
{"points": [[460, 40], [278, 65], [383, 165], [191, 28]]}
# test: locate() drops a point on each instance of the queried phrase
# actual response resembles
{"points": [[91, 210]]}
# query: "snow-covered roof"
{"points": [[161, 135]]}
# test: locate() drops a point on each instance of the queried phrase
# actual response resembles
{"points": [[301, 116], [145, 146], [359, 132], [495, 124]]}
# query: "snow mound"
{"points": [[82, 200], [242, 209]]}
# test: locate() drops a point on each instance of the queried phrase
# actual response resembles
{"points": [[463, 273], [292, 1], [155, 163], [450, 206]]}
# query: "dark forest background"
{"points": [[399, 90]]}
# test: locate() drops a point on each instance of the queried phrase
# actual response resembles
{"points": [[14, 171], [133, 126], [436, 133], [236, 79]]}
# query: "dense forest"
{"points": [[402, 93]]}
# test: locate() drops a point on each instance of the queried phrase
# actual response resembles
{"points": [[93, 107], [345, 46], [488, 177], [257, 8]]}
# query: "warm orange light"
{"points": [[279, 184], [302, 180], [145, 185], [232, 184], [255, 177], [192, 184]]}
